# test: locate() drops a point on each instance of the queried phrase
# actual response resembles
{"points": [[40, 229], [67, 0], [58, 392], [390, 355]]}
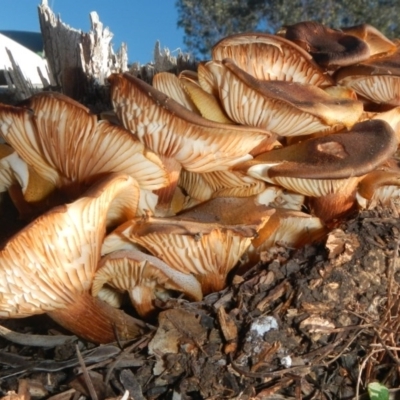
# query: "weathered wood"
{"points": [[61, 47], [19, 87], [97, 56], [164, 61], [78, 62]]}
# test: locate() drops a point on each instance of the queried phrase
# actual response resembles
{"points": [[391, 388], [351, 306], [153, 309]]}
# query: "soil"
{"points": [[319, 322]]}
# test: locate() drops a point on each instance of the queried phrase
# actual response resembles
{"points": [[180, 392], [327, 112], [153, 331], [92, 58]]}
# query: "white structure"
{"points": [[27, 60]]}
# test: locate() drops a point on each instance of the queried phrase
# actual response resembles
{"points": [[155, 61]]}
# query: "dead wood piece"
{"points": [[164, 61], [78, 61], [35, 340]]}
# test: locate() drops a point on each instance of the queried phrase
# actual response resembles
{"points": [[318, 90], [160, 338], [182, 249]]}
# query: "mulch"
{"points": [[320, 322]]}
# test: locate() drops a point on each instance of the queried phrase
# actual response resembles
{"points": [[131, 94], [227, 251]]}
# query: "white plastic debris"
{"points": [[286, 361], [262, 325]]}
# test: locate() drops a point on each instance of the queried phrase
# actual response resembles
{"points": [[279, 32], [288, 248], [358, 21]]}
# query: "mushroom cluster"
{"points": [[273, 140]]}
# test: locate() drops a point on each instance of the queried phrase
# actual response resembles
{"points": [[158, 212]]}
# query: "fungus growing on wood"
{"points": [[377, 42], [48, 267], [205, 186], [328, 47], [65, 144], [187, 92], [376, 79], [208, 105], [171, 131], [392, 117], [327, 168], [288, 228], [181, 138], [278, 197], [171, 85], [144, 277], [26, 188], [270, 57], [379, 187], [284, 108], [206, 241]]}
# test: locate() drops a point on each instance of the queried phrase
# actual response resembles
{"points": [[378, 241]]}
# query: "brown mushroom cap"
{"points": [[26, 188], [12, 168], [285, 108], [143, 276], [206, 241], [74, 149], [208, 251], [392, 117], [219, 184], [381, 187], [207, 103], [171, 85], [339, 156], [270, 57], [328, 47], [186, 91], [49, 265], [328, 168], [377, 42], [174, 132], [377, 79], [277, 197], [288, 228]]}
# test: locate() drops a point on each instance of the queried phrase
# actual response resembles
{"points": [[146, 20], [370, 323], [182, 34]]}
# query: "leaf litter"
{"points": [[317, 322]]}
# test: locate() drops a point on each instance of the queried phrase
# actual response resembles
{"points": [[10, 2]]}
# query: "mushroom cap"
{"points": [[379, 187], [354, 153], [186, 91], [142, 275], [66, 145], [23, 183], [290, 228], [50, 261], [270, 57], [111, 296], [392, 117], [206, 103], [285, 108], [12, 168], [277, 197], [208, 251], [172, 131], [230, 211], [219, 184], [328, 47], [171, 85], [115, 241], [377, 79], [388, 64], [206, 241], [320, 166], [377, 42]]}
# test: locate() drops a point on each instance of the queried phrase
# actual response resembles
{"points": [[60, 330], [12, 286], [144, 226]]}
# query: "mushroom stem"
{"points": [[334, 205], [212, 282], [166, 193], [25, 210], [96, 321]]}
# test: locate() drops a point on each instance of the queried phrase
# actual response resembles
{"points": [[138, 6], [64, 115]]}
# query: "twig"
{"points": [[121, 356], [362, 366], [35, 340], [86, 375]]}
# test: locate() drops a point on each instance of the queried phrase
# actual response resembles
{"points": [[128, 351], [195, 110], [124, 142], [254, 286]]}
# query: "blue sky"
{"points": [[139, 23]]}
